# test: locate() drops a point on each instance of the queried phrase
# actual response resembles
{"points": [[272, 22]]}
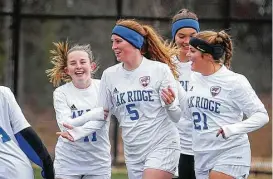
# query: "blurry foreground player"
{"points": [[18, 142]]}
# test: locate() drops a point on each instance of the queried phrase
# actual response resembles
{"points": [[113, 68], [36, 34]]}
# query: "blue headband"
{"points": [[131, 36], [184, 23]]}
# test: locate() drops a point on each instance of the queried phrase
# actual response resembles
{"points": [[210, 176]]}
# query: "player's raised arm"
{"points": [[75, 133], [63, 112]]}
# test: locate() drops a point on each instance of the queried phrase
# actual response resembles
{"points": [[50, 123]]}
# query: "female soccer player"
{"points": [[88, 157], [184, 25], [138, 97], [137, 91], [19, 142], [217, 101]]}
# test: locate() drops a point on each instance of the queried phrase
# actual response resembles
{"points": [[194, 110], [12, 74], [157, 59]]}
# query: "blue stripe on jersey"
{"points": [[28, 150]]}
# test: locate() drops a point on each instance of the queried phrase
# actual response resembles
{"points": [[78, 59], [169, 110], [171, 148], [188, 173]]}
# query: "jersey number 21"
{"points": [[199, 120]]}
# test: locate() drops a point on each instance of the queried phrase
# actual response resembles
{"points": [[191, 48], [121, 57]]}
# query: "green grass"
{"points": [[115, 175]]}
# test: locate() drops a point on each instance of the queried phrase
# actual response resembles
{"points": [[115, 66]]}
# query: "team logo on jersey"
{"points": [[73, 107], [215, 90], [144, 81], [115, 91]]}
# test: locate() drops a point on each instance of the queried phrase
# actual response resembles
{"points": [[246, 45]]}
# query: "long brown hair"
{"points": [[184, 14], [154, 47], [222, 38]]}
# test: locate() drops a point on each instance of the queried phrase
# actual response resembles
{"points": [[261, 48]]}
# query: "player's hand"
{"points": [[66, 134], [168, 96], [222, 132], [106, 113]]}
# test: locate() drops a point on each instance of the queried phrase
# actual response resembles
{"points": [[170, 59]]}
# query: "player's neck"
{"points": [[134, 63], [82, 84], [211, 69], [182, 57]]}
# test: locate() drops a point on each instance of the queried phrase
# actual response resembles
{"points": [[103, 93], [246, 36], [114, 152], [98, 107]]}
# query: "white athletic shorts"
{"points": [[234, 162], [83, 176], [165, 159]]}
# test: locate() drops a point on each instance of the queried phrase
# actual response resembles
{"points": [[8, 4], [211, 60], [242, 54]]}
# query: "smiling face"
{"points": [[182, 38], [79, 67], [123, 50], [198, 59]]}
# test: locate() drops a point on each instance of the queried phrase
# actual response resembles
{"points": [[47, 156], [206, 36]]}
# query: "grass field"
{"points": [[121, 174]]}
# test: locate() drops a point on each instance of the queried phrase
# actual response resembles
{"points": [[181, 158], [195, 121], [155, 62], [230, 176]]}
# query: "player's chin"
{"points": [[193, 67], [186, 48], [81, 78]]}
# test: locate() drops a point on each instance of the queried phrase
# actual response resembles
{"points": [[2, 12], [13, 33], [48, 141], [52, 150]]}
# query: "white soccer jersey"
{"points": [[134, 98], [219, 100], [13, 162], [184, 126], [91, 154]]}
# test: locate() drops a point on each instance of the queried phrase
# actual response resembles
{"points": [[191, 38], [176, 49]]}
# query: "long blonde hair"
{"points": [[154, 47], [59, 60]]}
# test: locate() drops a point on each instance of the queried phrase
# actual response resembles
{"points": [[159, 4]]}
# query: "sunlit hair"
{"points": [[154, 47], [222, 38], [59, 60], [184, 14]]}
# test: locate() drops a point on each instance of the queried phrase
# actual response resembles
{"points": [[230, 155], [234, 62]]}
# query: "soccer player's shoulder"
{"points": [[95, 82], [63, 88], [241, 80], [233, 77], [113, 68], [156, 65], [5, 91]]}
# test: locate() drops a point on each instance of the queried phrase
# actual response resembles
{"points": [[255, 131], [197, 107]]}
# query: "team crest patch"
{"points": [[144, 81], [215, 90]]}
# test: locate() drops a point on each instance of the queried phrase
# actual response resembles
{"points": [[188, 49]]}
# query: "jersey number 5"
{"points": [[198, 119], [133, 112], [4, 136]]}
